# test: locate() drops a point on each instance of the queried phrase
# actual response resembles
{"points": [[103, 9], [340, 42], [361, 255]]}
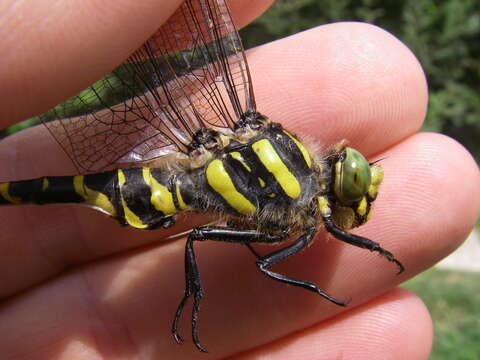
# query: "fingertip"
{"points": [[429, 201], [75, 43], [346, 80], [243, 12], [396, 325]]}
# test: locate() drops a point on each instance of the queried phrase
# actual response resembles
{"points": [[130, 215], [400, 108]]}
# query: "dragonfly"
{"points": [[175, 129]]}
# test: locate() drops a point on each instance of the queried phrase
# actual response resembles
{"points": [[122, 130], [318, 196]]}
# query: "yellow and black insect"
{"points": [[183, 106]]}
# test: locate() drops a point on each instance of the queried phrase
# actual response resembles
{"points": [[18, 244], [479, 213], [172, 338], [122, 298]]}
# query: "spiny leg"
{"points": [[265, 262], [193, 284], [360, 242]]}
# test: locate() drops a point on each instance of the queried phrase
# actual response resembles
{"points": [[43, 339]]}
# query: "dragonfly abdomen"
{"points": [[140, 197], [43, 190], [148, 198]]}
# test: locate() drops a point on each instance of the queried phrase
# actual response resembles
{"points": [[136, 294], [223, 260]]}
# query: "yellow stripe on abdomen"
{"points": [[274, 164], [5, 193], [221, 182], [130, 217], [162, 198], [92, 197], [45, 184]]}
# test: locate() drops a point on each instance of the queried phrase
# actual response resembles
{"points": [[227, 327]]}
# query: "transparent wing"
{"points": [[191, 73]]}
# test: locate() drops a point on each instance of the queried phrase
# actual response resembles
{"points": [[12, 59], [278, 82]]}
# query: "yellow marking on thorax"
{"points": [[274, 164], [237, 156], [131, 218], [93, 197], [302, 149], [4, 191], [262, 184], [181, 202], [162, 198], [221, 182], [324, 206], [44, 184]]}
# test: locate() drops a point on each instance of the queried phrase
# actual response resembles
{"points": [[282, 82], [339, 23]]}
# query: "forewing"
{"points": [[191, 73]]}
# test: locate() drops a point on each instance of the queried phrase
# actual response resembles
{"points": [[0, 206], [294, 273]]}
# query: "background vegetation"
{"points": [[444, 35], [454, 304]]}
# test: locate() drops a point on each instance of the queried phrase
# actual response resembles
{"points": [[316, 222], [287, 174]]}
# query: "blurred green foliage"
{"points": [[453, 301], [444, 35]]}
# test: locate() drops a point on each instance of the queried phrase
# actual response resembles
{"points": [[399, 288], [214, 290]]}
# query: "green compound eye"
{"points": [[352, 176]]}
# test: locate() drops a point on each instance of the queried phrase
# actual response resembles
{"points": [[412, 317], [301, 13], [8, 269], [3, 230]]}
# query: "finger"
{"points": [[313, 84], [381, 329], [111, 302], [73, 44], [349, 81], [326, 89], [64, 236], [415, 199]]}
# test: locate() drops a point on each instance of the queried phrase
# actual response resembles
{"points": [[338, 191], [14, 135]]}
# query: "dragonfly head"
{"points": [[355, 186]]}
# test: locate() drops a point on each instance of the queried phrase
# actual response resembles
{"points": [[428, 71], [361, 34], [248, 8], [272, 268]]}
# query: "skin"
{"points": [[77, 286]]}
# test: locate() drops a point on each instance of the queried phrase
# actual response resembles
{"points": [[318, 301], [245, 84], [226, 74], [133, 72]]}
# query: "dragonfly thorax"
{"points": [[269, 179]]}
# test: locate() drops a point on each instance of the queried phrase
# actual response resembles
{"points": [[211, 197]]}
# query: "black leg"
{"points": [[360, 242], [265, 262], [193, 285]]}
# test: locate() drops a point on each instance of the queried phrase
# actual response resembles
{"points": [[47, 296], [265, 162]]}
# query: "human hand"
{"points": [[78, 286]]}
